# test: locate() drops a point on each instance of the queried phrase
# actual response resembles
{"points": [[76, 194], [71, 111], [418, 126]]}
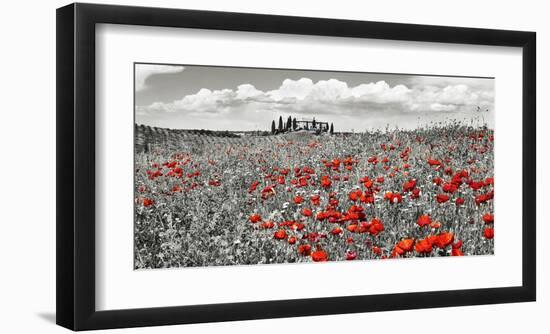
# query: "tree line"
{"points": [[292, 124]]}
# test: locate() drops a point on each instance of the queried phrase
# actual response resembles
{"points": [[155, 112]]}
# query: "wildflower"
{"points": [[148, 202], [307, 212], [319, 256], [304, 249], [351, 255], [442, 198], [255, 218], [488, 218], [423, 246], [489, 233], [280, 235], [424, 220]]}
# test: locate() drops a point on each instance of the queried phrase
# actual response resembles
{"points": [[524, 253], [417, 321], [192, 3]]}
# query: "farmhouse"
{"points": [[292, 124]]}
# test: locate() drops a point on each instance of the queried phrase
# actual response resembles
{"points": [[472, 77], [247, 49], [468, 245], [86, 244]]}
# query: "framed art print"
{"points": [[255, 166]]}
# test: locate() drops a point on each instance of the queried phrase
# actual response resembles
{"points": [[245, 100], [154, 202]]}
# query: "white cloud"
{"points": [[331, 99], [294, 89], [143, 71], [247, 91]]}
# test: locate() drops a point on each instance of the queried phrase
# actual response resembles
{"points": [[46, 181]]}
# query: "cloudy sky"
{"points": [[241, 99]]}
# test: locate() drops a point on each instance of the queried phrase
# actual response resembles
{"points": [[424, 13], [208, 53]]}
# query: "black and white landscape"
{"points": [[258, 166]]}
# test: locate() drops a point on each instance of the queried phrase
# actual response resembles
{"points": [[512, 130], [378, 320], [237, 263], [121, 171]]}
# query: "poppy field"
{"points": [[301, 197]]}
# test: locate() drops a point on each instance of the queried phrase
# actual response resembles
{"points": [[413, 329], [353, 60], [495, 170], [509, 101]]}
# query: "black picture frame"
{"points": [[75, 251]]}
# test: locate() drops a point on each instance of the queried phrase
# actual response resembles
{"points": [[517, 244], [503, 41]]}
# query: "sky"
{"points": [[245, 99]]}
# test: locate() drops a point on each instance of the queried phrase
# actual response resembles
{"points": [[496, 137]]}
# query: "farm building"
{"points": [[292, 124]]}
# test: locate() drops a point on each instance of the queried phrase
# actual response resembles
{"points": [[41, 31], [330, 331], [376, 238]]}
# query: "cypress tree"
{"points": [[273, 127], [280, 123], [331, 129], [294, 124], [289, 123]]}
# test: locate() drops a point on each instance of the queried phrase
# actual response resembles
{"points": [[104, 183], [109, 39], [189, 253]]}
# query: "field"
{"points": [[205, 200]]}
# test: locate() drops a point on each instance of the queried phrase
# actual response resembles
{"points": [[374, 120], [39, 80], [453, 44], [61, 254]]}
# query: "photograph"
{"points": [[241, 166]]}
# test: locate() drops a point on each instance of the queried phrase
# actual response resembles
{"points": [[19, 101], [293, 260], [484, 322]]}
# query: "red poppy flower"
{"points": [[304, 249], [355, 195], [406, 245], [457, 252], [409, 185], [459, 201], [325, 182], [351, 255], [435, 225], [255, 218], [308, 170], [336, 231], [307, 212], [268, 191], [457, 179], [433, 162], [393, 197], [268, 224], [397, 251], [298, 199], [489, 232], [297, 226], [352, 228], [321, 216], [424, 220], [397, 198], [450, 187], [457, 244], [437, 180], [215, 183], [415, 193], [423, 246], [484, 198], [368, 184], [488, 218], [476, 185], [315, 200], [148, 202], [319, 256], [375, 227], [442, 198], [376, 250], [443, 239], [292, 240], [280, 235]]}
